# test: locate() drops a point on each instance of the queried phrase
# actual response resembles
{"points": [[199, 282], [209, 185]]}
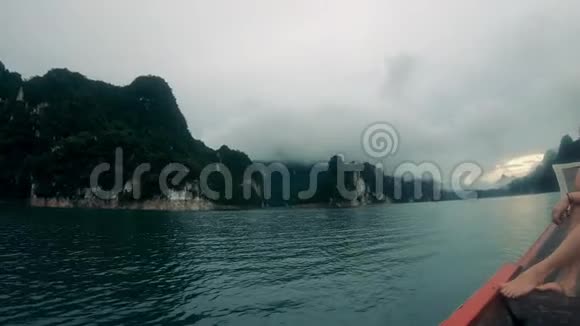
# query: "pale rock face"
{"points": [[361, 187], [176, 195], [361, 191], [195, 204], [179, 200], [39, 107], [128, 187], [364, 194], [20, 96], [189, 192]]}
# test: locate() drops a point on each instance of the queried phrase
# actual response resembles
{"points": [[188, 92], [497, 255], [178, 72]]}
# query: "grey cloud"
{"points": [[399, 72], [482, 81]]}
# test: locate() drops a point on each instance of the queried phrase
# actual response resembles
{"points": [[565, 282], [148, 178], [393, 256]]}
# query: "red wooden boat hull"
{"points": [[486, 306]]}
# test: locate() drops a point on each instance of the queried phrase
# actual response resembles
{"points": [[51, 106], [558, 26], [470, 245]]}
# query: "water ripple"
{"points": [[369, 266]]}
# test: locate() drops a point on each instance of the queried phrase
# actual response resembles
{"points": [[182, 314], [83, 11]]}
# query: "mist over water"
{"points": [[376, 265]]}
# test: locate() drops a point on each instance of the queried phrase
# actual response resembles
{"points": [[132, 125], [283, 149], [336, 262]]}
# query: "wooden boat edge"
{"points": [[468, 313]]}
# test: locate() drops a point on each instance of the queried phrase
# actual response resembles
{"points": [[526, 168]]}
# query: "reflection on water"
{"points": [[404, 264]]}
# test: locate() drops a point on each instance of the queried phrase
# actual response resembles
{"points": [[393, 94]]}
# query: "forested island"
{"points": [[55, 128]]}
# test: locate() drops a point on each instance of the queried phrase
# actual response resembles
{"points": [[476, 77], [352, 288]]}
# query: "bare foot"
{"points": [[566, 285], [558, 287], [525, 282]]}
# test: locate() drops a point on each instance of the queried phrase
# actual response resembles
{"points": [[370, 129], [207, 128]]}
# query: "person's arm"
{"points": [[560, 211]]}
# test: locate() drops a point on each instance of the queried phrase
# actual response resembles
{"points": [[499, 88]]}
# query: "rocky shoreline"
{"points": [[195, 204]]}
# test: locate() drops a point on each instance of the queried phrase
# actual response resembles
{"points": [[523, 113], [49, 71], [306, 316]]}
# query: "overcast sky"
{"points": [[484, 81]]}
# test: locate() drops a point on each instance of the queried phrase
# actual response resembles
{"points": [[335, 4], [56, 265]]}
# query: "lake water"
{"points": [[407, 264]]}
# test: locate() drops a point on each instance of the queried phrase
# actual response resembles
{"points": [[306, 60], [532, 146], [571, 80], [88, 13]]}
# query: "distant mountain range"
{"points": [[542, 178], [504, 181], [55, 128]]}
